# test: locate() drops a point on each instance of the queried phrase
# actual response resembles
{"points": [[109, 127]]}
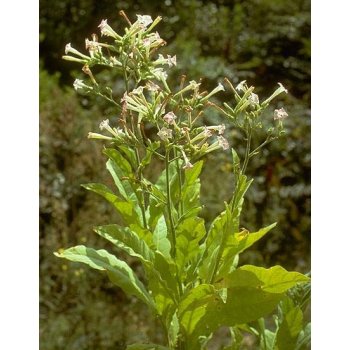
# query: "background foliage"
{"points": [[262, 41]]}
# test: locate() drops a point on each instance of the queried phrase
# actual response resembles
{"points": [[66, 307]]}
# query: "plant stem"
{"points": [[142, 199], [179, 174], [169, 204], [247, 150]]}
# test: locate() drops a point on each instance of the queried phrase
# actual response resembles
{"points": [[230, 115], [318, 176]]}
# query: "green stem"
{"points": [[247, 150], [179, 174], [169, 204], [142, 199]]}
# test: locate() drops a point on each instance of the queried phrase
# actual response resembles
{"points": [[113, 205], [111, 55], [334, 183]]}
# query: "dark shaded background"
{"points": [[261, 41]]}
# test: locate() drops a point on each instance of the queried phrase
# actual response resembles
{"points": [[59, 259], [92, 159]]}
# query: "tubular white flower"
{"points": [[170, 118], [254, 99], [276, 93], [107, 30], [220, 87], [219, 128], [93, 135], [171, 60], [79, 84], [137, 91], [145, 20], [280, 114], [151, 86], [242, 86], [165, 134], [104, 124], [69, 49]]}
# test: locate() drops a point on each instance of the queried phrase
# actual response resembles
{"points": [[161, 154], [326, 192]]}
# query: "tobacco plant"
{"points": [[194, 283]]}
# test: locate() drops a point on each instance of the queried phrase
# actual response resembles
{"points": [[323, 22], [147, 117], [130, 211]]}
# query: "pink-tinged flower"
{"points": [[147, 42], [165, 134], [151, 86], [280, 114], [170, 118], [188, 165], [219, 128], [223, 143], [145, 21], [107, 30]]}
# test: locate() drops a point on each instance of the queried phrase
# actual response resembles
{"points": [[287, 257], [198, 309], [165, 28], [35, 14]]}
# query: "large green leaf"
{"points": [[188, 234], [273, 280], [118, 271], [236, 243], [125, 208], [146, 347], [202, 309], [124, 238], [288, 331]]}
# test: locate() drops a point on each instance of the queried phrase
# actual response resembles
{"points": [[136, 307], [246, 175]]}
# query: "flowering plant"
{"points": [[194, 284]]}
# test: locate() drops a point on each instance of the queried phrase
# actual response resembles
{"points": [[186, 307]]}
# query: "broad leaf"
{"points": [[125, 208], [118, 271], [188, 234], [273, 280], [127, 240], [202, 309], [237, 243]]}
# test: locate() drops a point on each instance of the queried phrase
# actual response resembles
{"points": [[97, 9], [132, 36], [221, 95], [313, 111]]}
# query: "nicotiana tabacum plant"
{"points": [[194, 283]]}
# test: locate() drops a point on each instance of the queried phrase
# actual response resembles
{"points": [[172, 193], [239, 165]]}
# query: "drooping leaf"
{"points": [[188, 234], [273, 280], [126, 239], [118, 271], [125, 208], [288, 331]]}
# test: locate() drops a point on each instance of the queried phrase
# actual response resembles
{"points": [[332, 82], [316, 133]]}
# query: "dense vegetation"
{"points": [[261, 41]]}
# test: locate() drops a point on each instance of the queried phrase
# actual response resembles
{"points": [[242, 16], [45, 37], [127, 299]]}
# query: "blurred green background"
{"points": [[261, 41]]}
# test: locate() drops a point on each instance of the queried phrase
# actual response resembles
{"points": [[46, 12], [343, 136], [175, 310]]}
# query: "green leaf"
{"points": [[125, 208], [146, 347], [202, 310], [288, 331], [118, 271], [191, 188], [121, 172], [188, 234], [127, 240], [160, 237], [150, 149], [304, 338], [273, 280], [237, 243]]}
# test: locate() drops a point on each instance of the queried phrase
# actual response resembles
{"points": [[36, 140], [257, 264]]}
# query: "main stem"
{"points": [[172, 228], [137, 155]]}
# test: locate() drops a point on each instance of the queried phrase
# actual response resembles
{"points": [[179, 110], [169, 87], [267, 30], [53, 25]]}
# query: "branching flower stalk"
{"points": [[194, 284]]}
